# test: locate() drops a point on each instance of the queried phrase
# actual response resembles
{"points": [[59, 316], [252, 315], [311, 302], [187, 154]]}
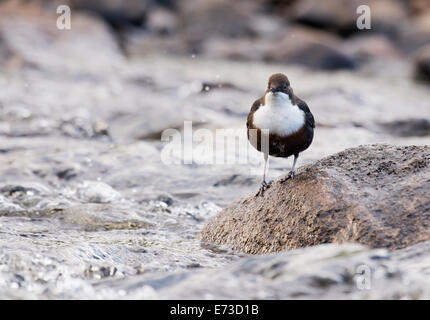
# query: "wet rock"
{"points": [[155, 134], [6, 54], [331, 15], [234, 49], [267, 26], [142, 43], [95, 272], [208, 86], [417, 6], [27, 188], [166, 199], [367, 48], [66, 174], [7, 206], [376, 195], [311, 48], [234, 179], [416, 33], [321, 56], [97, 192], [329, 271], [388, 17], [119, 14], [196, 27], [203, 19], [340, 16], [93, 217], [81, 128], [17, 199], [422, 65], [408, 128], [37, 41], [162, 21]]}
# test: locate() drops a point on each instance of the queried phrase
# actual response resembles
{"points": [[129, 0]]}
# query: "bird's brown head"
{"points": [[279, 82]]}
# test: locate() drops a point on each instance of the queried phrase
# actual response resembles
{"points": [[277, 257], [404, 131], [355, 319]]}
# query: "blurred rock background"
{"points": [[87, 207], [317, 34]]}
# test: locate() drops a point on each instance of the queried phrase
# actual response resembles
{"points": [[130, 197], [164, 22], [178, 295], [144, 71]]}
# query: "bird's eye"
{"points": [[286, 86]]}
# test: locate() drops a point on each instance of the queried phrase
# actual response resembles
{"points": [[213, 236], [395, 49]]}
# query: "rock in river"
{"points": [[422, 64], [376, 195]]}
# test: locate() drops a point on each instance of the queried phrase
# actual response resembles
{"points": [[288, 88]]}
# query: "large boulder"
{"points": [[376, 195]]}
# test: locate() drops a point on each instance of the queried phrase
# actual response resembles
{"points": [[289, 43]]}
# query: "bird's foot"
{"points": [[264, 186], [289, 176]]}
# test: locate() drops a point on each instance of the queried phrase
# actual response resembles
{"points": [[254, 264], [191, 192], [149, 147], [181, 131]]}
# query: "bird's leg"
{"points": [[291, 173], [296, 156], [264, 184]]}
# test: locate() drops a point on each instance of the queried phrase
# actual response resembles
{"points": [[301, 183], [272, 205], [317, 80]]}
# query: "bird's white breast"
{"points": [[279, 115]]}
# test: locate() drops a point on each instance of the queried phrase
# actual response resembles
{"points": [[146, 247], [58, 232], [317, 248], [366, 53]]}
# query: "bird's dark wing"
{"points": [[303, 106], [255, 106]]}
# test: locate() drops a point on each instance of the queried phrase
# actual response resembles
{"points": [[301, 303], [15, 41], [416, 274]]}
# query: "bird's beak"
{"points": [[273, 90]]}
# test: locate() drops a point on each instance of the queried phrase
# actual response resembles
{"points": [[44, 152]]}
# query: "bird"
{"points": [[279, 124]]}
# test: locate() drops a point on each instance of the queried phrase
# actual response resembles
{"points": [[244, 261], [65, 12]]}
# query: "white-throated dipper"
{"points": [[281, 119]]}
